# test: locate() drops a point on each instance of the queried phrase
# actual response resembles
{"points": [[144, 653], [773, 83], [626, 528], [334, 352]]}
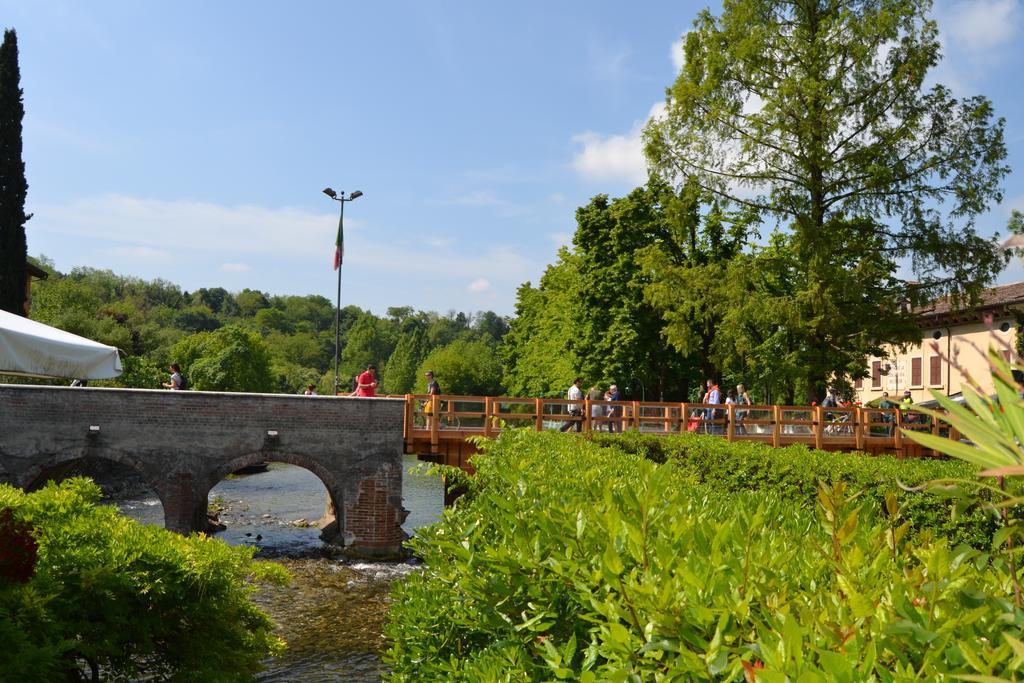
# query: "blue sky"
{"points": [[190, 141]]}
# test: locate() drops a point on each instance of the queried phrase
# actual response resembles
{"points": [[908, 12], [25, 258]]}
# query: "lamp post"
{"points": [[643, 390], [339, 246]]}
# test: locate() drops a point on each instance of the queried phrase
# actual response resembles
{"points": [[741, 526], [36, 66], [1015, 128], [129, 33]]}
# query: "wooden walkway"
{"points": [[446, 438]]}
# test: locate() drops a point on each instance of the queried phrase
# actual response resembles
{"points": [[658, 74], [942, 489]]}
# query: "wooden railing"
{"points": [[431, 421]]}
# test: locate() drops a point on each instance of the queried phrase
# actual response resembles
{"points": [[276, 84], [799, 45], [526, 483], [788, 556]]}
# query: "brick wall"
{"points": [[184, 443]]}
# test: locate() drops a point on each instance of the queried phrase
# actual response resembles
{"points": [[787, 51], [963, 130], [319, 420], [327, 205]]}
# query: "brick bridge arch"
{"points": [[184, 443]]}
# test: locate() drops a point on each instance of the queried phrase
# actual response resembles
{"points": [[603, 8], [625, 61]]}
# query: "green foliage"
{"points": [[232, 358], [404, 363], [793, 473], [816, 116], [129, 600], [466, 367], [589, 317], [537, 352], [994, 433], [13, 186], [369, 341], [568, 561], [148, 320]]}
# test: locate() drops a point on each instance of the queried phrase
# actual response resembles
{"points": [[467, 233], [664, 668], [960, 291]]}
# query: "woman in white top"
{"points": [[743, 399]]}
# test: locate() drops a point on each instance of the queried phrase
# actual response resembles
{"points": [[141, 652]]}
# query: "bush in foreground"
{"points": [[793, 472], [106, 593], [575, 562]]}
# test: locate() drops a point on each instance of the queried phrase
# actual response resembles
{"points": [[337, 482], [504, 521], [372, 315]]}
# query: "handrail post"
{"points": [[776, 426], [586, 414], [636, 415], [538, 415], [730, 425], [684, 418], [487, 416], [858, 428], [435, 408], [897, 435], [819, 427], [407, 426]]}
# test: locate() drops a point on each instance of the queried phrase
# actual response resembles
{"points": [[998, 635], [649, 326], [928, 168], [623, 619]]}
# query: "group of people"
{"points": [[612, 412], [709, 420]]}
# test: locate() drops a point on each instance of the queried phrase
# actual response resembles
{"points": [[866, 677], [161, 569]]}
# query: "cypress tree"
{"points": [[13, 186]]}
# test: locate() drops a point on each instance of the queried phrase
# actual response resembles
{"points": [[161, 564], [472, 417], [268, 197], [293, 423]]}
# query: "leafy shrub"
{"points": [[794, 472], [575, 562], [126, 599]]}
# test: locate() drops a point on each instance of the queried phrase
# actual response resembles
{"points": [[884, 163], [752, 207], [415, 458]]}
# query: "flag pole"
{"points": [[337, 305], [339, 250]]}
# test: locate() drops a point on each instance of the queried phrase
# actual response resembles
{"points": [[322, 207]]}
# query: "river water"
{"points": [[332, 614]]}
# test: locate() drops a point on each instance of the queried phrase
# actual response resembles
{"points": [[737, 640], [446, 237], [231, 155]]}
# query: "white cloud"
{"points": [[614, 157], [981, 25], [279, 250], [148, 253], [677, 54], [560, 239], [479, 285], [198, 226]]}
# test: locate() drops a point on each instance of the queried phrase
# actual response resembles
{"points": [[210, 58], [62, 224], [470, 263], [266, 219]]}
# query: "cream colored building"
{"points": [[962, 336]]}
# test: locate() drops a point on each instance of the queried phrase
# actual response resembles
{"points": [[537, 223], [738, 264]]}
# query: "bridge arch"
{"points": [[64, 464], [335, 493]]}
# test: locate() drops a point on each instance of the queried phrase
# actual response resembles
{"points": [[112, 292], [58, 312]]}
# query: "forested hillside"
{"points": [[257, 341]]}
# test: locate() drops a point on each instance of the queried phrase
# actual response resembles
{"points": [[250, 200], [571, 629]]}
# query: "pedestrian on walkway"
{"points": [[575, 410]]}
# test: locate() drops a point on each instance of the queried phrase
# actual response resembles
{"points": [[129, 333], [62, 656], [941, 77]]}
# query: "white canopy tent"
{"points": [[31, 348]]}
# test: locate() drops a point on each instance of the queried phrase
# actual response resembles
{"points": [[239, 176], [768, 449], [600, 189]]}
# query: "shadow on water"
{"points": [[332, 614]]}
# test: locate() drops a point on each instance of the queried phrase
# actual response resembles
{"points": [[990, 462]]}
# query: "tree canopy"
{"points": [[815, 113], [13, 186], [588, 316]]}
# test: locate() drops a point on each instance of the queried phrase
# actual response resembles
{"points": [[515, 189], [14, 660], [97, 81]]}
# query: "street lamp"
{"points": [[338, 253], [643, 390]]}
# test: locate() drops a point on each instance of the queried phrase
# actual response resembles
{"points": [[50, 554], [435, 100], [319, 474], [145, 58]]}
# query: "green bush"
{"points": [[125, 599], [570, 561], [793, 472]]}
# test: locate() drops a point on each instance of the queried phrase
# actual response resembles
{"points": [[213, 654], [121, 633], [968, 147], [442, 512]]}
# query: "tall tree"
{"points": [[401, 367], [466, 367], [232, 358], [13, 186], [689, 281], [588, 316], [538, 354], [814, 112]]}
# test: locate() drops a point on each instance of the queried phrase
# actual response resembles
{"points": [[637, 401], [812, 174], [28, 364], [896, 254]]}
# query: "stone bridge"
{"points": [[182, 443]]}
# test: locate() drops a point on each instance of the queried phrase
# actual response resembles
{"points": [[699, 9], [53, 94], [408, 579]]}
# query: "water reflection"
{"points": [[332, 614]]}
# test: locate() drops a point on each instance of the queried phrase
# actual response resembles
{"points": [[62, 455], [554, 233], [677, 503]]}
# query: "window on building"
{"points": [[876, 374], [858, 383], [915, 372], [935, 371]]}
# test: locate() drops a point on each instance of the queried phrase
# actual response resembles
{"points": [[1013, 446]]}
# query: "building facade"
{"points": [[952, 342]]}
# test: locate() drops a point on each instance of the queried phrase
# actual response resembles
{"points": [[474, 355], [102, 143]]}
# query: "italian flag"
{"points": [[339, 246]]}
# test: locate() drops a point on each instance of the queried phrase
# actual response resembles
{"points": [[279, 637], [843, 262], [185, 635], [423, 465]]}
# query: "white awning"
{"points": [[31, 348]]}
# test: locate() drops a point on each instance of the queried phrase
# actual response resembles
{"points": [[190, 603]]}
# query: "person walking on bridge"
{"points": [[366, 383], [433, 389], [575, 412], [178, 381]]}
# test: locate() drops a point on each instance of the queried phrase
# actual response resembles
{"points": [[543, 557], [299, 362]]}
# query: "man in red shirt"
{"points": [[366, 383]]}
